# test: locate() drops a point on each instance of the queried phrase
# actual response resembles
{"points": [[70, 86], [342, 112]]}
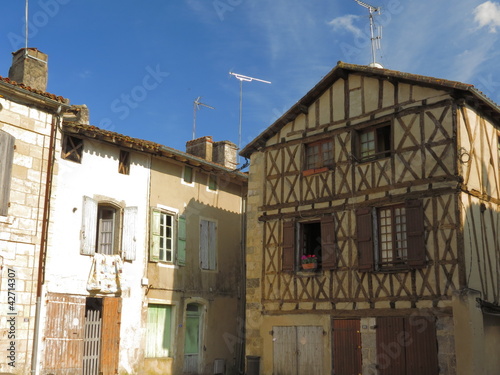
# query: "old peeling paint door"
{"points": [[346, 347], [92, 339], [110, 340], [64, 332], [192, 338], [297, 350]]}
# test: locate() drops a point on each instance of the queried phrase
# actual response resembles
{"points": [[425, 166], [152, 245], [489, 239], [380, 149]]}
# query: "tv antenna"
{"points": [[375, 40], [196, 105], [26, 25], [242, 78]]}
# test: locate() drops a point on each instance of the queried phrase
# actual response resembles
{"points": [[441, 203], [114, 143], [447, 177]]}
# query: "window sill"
{"points": [[310, 172], [313, 273]]}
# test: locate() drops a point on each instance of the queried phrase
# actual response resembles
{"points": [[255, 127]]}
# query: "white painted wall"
{"points": [[67, 271]]}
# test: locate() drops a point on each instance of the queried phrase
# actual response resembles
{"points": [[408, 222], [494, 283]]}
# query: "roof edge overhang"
{"points": [[342, 71], [23, 96], [151, 148]]}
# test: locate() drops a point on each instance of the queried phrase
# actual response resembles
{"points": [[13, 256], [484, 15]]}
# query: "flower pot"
{"points": [[309, 266]]}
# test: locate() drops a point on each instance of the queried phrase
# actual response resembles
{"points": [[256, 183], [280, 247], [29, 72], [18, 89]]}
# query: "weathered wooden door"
{"points": [[346, 347], [407, 346], [110, 339], [64, 332], [192, 338], [297, 350]]}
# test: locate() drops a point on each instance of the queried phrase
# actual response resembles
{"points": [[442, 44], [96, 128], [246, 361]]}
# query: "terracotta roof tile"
{"points": [[35, 91]]}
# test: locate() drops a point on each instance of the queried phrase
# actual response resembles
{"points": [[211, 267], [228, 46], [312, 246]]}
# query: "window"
{"points": [[100, 231], [319, 155], [124, 162], [391, 237], [315, 238], [187, 175], [212, 182], [72, 149], [374, 143], [168, 237], [107, 222], [159, 331], [6, 159], [208, 245]]}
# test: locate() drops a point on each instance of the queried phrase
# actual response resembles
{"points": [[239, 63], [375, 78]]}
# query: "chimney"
{"points": [[201, 147], [29, 66], [225, 153]]}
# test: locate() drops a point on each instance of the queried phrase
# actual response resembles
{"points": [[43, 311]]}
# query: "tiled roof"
{"points": [[342, 70], [154, 148], [34, 91]]}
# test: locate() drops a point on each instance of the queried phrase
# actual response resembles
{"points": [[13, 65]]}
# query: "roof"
{"points": [[29, 90], [342, 70], [149, 147]]}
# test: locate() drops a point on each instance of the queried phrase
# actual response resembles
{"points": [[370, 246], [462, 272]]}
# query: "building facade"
{"points": [[28, 120], [386, 183]]}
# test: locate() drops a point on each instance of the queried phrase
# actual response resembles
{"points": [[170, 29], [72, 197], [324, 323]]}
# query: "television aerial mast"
{"points": [[196, 105], [242, 78], [375, 40]]}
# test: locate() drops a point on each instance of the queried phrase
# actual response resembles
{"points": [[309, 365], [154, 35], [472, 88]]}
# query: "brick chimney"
{"points": [[29, 66], [225, 153], [201, 147]]}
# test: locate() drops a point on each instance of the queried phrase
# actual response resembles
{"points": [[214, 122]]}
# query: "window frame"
{"points": [[124, 162], [157, 237], [115, 229], [184, 180], [322, 164], [212, 183], [156, 330], [368, 238], [72, 149], [378, 151], [293, 243]]}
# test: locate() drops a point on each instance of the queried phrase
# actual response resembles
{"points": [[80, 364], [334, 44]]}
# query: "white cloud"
{"points": [[346, 23], [488, 14]]}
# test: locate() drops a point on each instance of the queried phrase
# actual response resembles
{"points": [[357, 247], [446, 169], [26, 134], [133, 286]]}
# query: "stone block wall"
{"points": [[20, 232]]}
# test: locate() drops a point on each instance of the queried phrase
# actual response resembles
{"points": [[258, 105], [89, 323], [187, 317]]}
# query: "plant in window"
{"points": [[309, 261]]}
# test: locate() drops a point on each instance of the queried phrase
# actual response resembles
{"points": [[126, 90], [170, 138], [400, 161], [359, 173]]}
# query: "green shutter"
{"points": [[159, 331], [181, 241], [154, 252]]}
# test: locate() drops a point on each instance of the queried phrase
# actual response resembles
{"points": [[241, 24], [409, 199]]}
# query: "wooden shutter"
{"points": [[415, 233], [364, 231], [288, 257], [181, 241], [110, 341], [204, 244], [154, 251], [129, 233], [329, 257], [212, 245], [88, 233], [6, 157]]}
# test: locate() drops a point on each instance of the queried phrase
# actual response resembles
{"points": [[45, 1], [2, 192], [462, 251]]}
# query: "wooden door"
{"points": [[64, 333], [192, 338], [297, 350], [346, 347], [110, 341]]}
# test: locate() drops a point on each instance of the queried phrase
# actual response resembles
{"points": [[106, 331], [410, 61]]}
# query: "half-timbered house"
{"points": [[388, 184]]}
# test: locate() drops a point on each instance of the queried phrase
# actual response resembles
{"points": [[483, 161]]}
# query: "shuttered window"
{"points": [[399, 234], [208, 245], [159, 331], [181, 241], [72, 149], [162, 236], [316, 239], [6, 158]]}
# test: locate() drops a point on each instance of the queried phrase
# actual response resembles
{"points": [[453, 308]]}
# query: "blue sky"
{"points": [[139, 66]]}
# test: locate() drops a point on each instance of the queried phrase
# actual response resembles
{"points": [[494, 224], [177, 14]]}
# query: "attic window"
{"points": [[72, 149], [124, 162]]}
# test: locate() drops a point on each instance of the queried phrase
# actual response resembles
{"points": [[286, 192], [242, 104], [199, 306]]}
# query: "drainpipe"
{"points": [[44, 235]]}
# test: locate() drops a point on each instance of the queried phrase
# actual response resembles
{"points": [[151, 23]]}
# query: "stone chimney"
{"points": [[29, 66], [201, 147], [225, 153]]}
